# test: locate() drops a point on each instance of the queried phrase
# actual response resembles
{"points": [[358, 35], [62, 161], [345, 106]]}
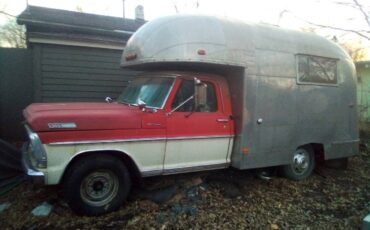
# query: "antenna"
{"points": [[123, 8], [139, 12]]}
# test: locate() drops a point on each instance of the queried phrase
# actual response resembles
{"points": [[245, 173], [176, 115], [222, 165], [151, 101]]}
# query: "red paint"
{"points": [[91, 135], [201, 123], [87, 116], [112, 121], [152, 120]]}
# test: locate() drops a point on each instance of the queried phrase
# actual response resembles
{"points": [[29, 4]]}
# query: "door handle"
{"points": [[222, 120]]}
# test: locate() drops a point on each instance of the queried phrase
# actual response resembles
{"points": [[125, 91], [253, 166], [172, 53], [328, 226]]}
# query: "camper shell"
{"points": [[274, 110]]}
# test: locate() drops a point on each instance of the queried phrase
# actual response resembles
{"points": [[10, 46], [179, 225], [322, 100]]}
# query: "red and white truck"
{"points": [[213, 93]]}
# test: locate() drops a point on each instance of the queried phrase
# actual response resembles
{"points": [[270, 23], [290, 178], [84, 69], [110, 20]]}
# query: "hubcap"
{"points": [[99, 187], [300, 161]]}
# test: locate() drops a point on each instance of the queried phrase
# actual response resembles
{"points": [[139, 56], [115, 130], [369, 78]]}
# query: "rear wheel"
{"points": [[301, 165], [96, 185]]}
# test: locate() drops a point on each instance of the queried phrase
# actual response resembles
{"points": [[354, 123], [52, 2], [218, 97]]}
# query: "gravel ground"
{"points": [[226, 199]]}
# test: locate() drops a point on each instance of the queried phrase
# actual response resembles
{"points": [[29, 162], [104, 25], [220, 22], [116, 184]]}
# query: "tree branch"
{"points": [[341, 29], [5, 13], [366, 16], [346, 4], [358, 32]]}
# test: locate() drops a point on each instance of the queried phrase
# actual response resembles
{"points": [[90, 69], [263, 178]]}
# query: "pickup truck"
{"points": [[213, 93]]}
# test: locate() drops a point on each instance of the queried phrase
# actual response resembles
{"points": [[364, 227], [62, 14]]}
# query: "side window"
{"points": [[312, 69], [186, 90]]}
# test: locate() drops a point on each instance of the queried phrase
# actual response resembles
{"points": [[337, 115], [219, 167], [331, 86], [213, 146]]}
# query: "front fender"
{"points": [[147, 155]]}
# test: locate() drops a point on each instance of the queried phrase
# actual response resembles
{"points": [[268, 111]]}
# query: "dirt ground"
{"points": [[226, 199]]}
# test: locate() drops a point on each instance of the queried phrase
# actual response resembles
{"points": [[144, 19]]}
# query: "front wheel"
{"points": [[301, 166], [96, 185]]}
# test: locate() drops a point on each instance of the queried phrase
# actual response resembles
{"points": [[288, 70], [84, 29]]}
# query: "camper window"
{"points": [[317, 70]]}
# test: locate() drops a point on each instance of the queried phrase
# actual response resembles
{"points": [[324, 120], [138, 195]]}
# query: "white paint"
{"points": [[149, 156], [196, 152]]}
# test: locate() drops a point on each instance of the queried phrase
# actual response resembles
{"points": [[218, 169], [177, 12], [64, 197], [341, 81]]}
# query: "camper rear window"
{"points": [[319, 70]]}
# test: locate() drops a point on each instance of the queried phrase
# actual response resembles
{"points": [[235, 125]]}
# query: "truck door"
{"points": [[197, 138]]}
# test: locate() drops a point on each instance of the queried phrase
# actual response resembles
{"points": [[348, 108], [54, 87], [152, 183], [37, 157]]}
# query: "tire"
{"points": [[96, 185], [301, 166]]}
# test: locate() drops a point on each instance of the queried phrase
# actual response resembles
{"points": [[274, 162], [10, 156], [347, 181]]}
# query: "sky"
{"points": [[295, 16]]}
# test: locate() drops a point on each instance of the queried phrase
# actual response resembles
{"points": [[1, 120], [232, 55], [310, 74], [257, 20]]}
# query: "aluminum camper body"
{"points": [[276, 107]]}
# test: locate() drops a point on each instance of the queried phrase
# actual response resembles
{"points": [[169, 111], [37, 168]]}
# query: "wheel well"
{"points": [[129, 163], [318, 150]]}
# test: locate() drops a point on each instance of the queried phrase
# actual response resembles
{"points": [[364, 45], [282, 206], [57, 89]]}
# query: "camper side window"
{"points": [[320, 70]]}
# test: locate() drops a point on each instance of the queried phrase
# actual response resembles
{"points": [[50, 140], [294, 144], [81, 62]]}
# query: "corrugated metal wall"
{"points": [[67, 73]]}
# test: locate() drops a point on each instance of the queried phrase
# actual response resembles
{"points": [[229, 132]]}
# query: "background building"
{"points": [[71, 56], [363, 91]]}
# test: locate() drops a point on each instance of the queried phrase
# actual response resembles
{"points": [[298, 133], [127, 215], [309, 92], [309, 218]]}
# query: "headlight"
{"points": [[36, 149]]}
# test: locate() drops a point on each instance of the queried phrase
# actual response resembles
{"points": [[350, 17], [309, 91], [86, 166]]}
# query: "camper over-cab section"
{"points": [[211, 93]]}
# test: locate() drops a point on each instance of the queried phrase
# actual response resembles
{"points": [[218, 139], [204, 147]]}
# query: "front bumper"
{"points": [[35, 175]]}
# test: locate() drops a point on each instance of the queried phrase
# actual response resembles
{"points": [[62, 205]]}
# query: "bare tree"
{"points": [[355, 50], [177, 8], [78, 8], [12, 35], [363, 10]]}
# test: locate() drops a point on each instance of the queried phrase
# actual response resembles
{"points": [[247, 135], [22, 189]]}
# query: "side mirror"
{"points": [[108, 99], [200, 94], [141, 104]]}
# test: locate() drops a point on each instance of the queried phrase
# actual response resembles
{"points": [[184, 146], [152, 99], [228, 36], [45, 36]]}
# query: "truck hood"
{"points": [[82, 116]]}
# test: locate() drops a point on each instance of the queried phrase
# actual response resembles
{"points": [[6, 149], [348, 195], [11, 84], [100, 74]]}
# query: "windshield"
{"points": [[150, 90]]}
